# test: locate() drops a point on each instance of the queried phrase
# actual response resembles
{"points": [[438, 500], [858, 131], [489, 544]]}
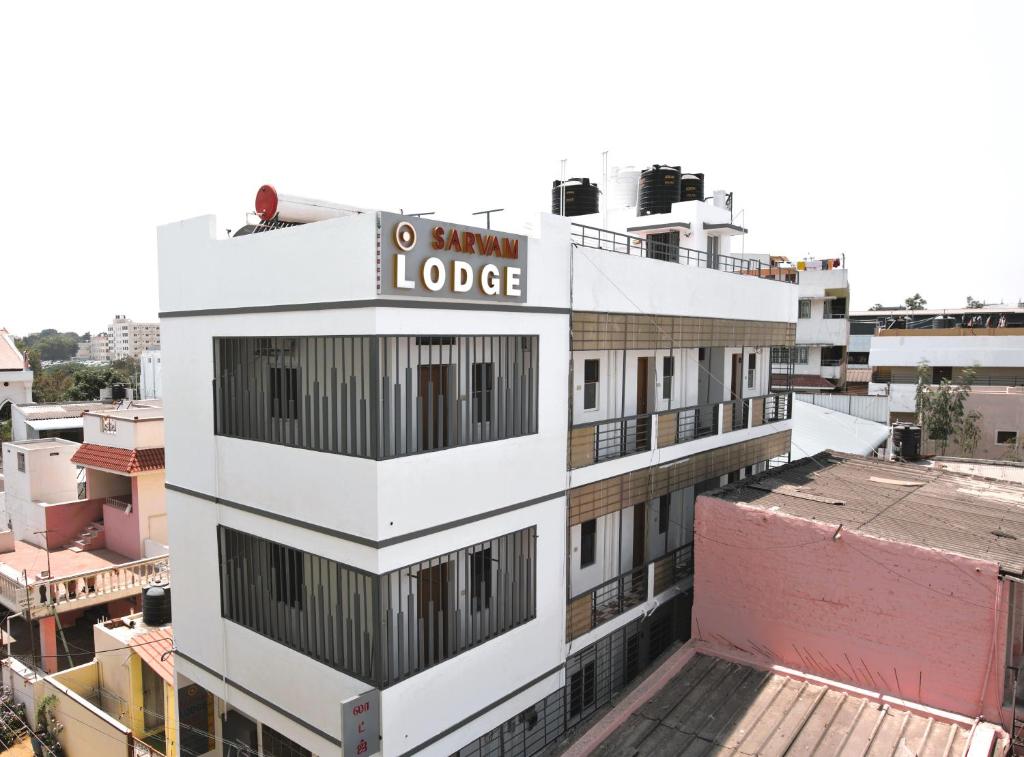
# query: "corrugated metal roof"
{"points": [[54, 410], [717, 707], [969, 515], [154, 647], [816, 429], [802, 381]]}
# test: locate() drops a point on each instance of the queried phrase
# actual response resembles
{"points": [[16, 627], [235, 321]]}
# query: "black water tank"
{"points": [[117, 392], [581, 197], [156, 605], [659, 188], [906, 441], [691, 187]]}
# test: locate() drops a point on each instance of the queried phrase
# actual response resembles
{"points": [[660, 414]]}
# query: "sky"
{"points": [[886, 131]]}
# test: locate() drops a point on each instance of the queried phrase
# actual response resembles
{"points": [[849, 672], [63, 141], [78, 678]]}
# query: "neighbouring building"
{"points": [[66, 560], [451, 465], [128, 338], [150, 375], [95, 348], [15, 374], [894, 578], [990, 340], [818, 360], [51, 419]]}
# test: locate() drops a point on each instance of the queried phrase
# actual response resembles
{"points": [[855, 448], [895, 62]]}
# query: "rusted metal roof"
{"points": [[977, 517], [713, 706], [802, 381], [154, 647]]}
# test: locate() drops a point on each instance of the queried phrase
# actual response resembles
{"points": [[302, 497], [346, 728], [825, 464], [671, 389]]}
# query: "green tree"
{"points": [[915, 302], [877, 306], [942, 410], [973, 303]]}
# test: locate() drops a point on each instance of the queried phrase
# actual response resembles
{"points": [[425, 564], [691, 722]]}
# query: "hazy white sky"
{"points": [[890, 131]]}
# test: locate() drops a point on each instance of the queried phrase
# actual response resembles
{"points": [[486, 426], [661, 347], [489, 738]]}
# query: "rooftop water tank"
{"points": [[623, 188], [691, 187], [581, 197], [156, 605], [659, 188]]}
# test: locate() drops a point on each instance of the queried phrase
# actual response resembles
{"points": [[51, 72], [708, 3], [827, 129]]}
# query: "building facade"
{"points": [[15, 375], [151, 375], [96, 348], [128, 338], [987, 341], [450, 465]]}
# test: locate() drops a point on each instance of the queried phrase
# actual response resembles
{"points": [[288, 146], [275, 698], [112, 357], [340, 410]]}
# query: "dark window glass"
{"points": [[589, 683], [284, 393], [1006, 437], [940, 374], [480, 579], [21, 462], [664, 508], [483, 391], [435, 341], [805, 309], [287, 569], [576, 693], [588, 543], [591, 379], [668, 369], [279, 745]]}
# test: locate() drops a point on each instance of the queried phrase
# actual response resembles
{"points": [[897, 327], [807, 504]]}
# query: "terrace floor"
{"points": [[63, 562]]}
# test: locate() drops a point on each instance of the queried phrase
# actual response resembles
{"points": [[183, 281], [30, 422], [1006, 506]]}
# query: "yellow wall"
{"points": [[170, 720], [88, 731]]}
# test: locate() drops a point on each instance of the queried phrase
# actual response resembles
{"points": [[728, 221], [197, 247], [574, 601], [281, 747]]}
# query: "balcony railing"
{"points": [[598, 441], [627, 244], [831, 362], [120, 502], [696, 422], [612, 598], [84, 589]]}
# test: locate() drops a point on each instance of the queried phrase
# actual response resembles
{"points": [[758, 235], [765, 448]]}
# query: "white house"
{"points": [[15, 374], [379, 485]]}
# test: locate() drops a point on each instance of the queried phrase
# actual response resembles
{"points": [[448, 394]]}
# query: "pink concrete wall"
{"points": [[122, 529], [906, 621], [65, 521]]}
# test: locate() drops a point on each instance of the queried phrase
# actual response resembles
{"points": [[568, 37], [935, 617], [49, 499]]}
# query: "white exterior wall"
{"points": [[956, 351], [126, 433], [151, 375], [49, 477]]}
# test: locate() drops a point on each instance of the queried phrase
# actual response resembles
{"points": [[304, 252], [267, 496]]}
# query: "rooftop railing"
{"points": [[627, 244]]}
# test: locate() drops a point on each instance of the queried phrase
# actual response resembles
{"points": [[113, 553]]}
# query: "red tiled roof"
{"points": [[120, 460], [154, 645], [802, 381]]}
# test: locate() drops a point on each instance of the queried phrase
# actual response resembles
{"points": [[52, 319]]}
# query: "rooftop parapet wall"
{"points": [[941, 349], [908, 621]]}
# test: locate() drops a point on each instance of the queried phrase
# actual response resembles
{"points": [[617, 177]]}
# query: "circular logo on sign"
{"points": [[405, 236]]}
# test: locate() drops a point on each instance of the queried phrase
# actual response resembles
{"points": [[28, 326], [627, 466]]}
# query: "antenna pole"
{"points": [[561, 207], [605, 203]]}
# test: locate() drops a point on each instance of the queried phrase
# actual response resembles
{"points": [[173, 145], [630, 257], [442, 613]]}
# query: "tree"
{"points": [[915, 302], [973, 303], [877, 306], [942, 410]]}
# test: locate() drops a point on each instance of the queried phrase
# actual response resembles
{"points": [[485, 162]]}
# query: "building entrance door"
{"points": [[737, 377], [643, 424], [432, 612]]}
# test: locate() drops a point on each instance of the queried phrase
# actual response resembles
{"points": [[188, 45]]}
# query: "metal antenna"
{"points": [[488, 214]]}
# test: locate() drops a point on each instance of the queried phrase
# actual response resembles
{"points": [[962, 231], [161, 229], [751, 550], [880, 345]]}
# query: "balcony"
{"points": [[599, 441], [627, 244], [594, 607]]}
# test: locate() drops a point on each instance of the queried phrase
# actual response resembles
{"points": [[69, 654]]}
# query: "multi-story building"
{"points": [[989, 341], [65, 557], [128, 338], [15, 374], [96, 348], [818, 360], [446, 475]]}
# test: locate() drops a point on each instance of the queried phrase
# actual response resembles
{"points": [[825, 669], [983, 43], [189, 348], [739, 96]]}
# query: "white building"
{"points": [[96, 348], [819, 357], [382, 491], [15, 374], [988, 340], [150, 378], [128, 338]]}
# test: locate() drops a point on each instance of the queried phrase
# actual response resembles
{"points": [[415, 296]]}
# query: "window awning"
{"points": [[724, 229], [55, 424]]}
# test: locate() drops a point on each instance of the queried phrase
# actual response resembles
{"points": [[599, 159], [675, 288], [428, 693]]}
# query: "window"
{"points": [[664, 510], [337, 614], [21, 462], [663, 246], [805, 309], [483, 392], [714, 248], [591, 380], [1006, 437], [480, 579], [940, 374], [588, 542], [702, 353], [375, 397], [668, 369], [279, 745], [284, 393], [582, 688], [789, 355], [751, 368]]}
